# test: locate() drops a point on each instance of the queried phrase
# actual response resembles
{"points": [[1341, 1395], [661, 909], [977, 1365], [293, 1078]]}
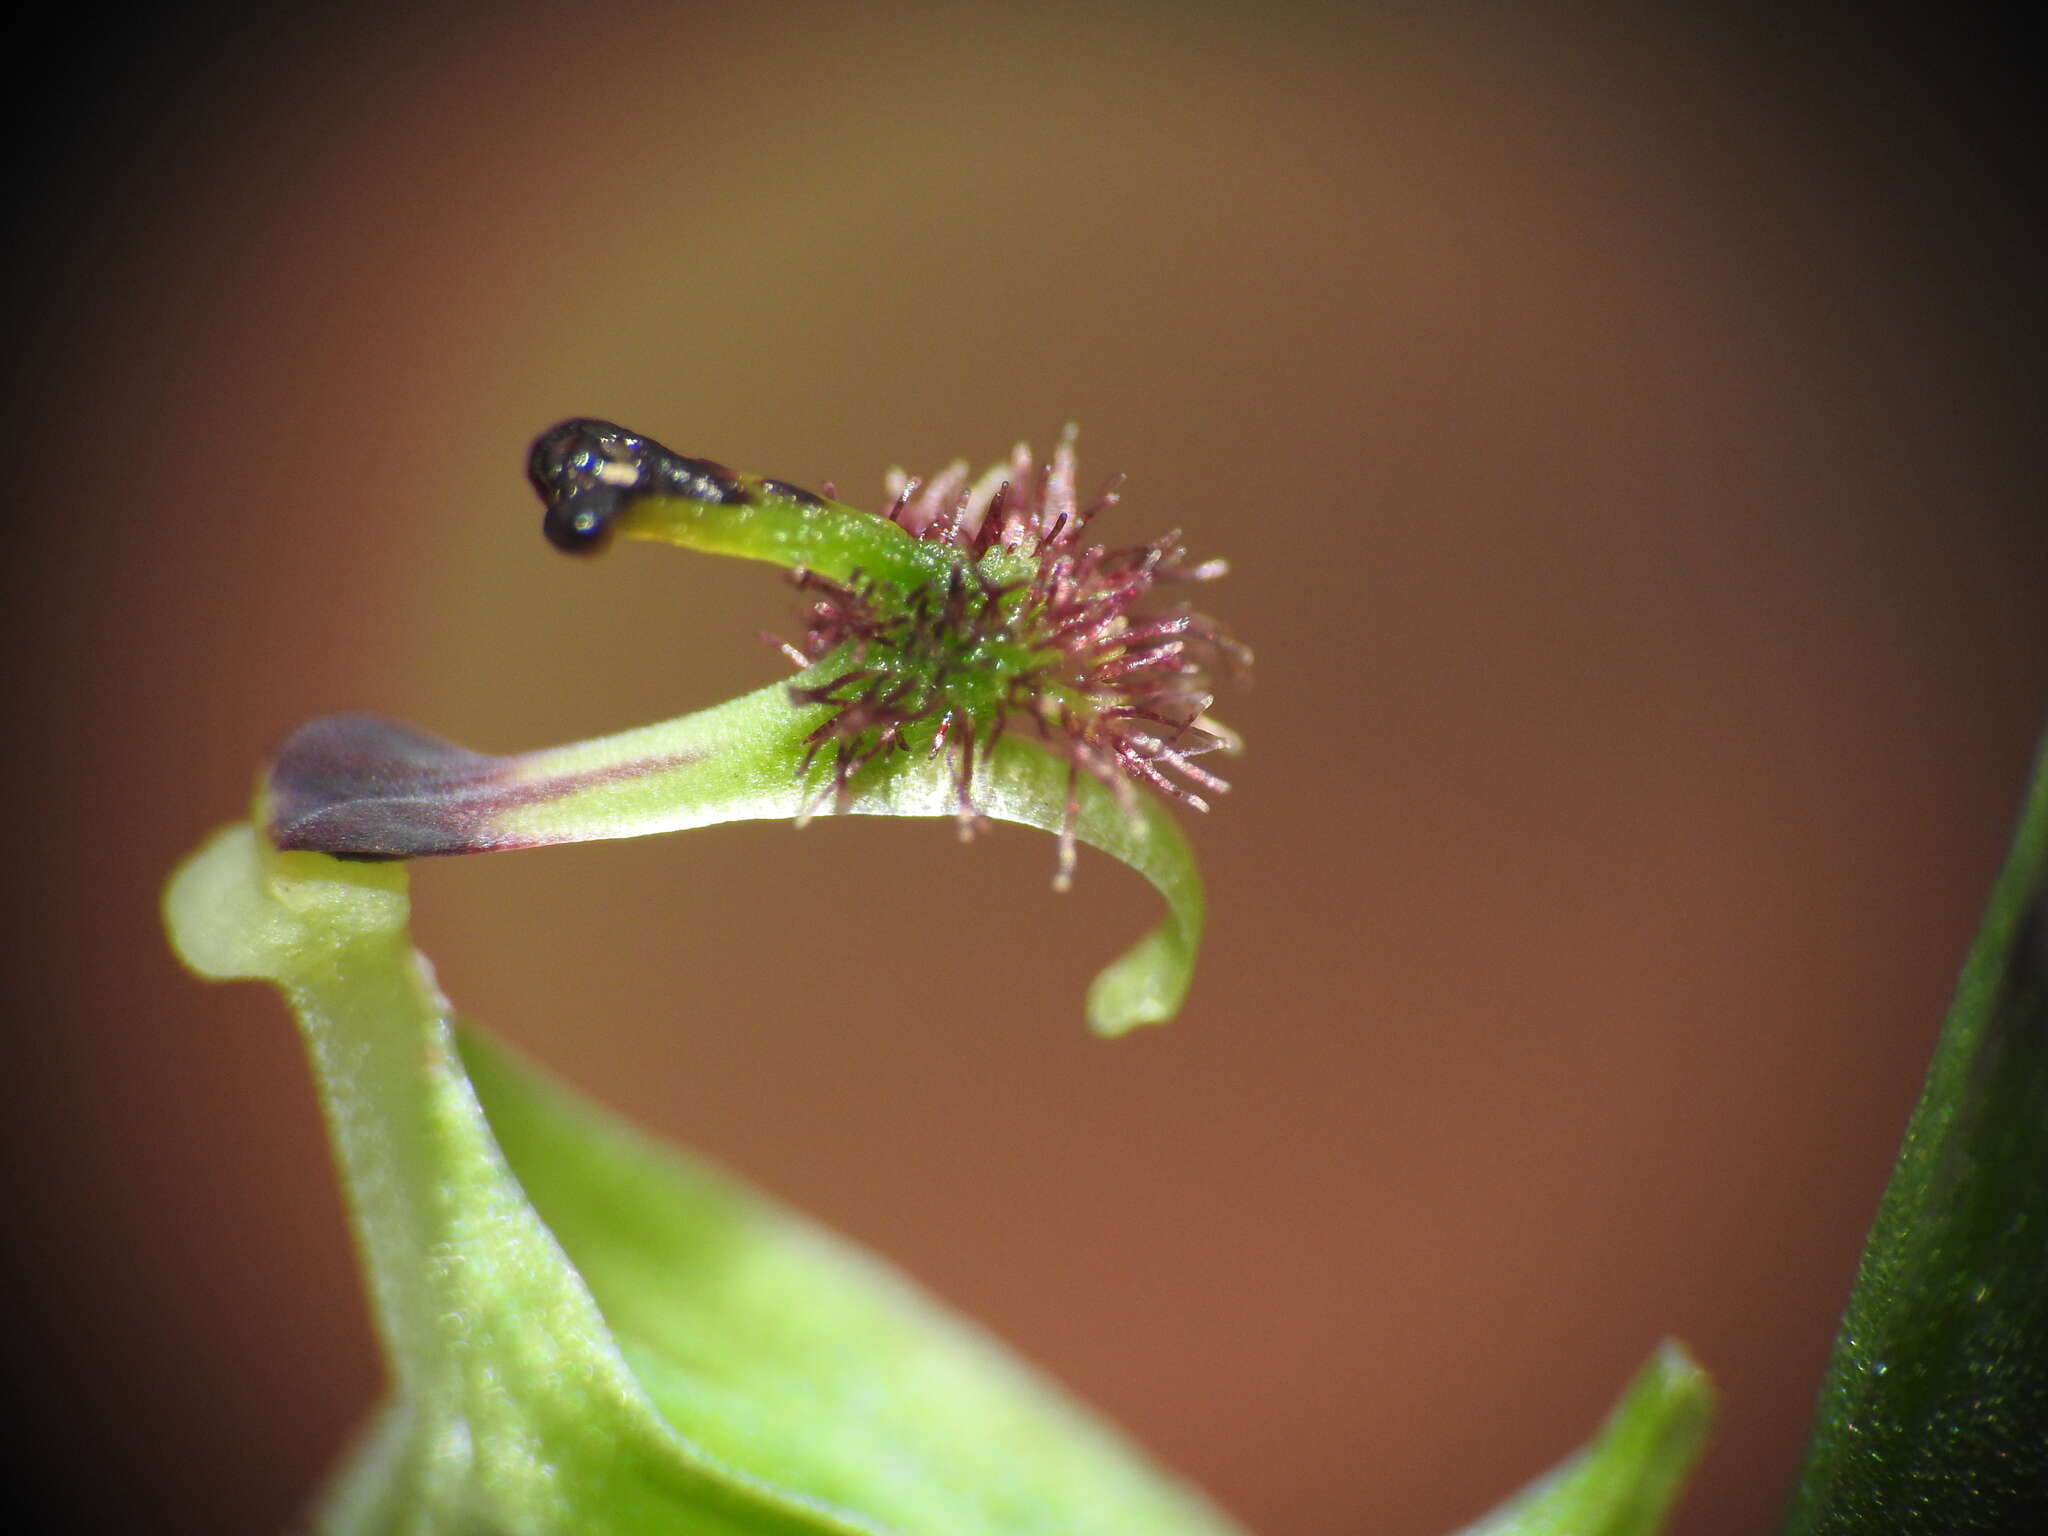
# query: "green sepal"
{"points": [[587, 1333]]}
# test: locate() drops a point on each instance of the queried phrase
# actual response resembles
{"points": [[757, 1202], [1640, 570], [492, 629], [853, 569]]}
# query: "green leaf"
{"points": [[1625, 1482], [589, 1334], [1933, 1415]]}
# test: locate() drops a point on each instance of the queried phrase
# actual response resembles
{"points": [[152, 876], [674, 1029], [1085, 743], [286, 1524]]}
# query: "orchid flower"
{"points": [[931, 633], [589, 1333]]}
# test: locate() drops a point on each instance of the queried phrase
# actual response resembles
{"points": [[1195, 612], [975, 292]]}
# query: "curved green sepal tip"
{"points": [[590, 1333], [1933, 1418], [1021, 782], [1625, 1482]]}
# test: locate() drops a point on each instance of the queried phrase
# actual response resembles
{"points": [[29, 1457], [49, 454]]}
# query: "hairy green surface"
{"points": [[1934, 1414]]}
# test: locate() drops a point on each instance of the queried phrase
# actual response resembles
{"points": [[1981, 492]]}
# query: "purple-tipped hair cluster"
{"points": [[1068, 635]]}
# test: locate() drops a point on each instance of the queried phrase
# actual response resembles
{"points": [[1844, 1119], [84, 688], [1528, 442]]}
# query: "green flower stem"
{"points": [[504, 1372], [1933, 1416]]}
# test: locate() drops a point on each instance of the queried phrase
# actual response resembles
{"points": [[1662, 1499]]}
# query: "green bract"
{"points": [[588, 1334]]}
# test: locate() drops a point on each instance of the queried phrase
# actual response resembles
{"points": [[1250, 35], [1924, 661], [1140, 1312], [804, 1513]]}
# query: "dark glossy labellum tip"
{"points": [[572, 453], [581, 522]]}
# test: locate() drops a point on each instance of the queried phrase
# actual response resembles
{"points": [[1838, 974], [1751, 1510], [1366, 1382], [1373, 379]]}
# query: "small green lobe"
{"points": [[1627, 1480], [241, 911]]}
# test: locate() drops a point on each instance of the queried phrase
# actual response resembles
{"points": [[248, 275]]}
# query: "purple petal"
{"points": [[363, 787]]}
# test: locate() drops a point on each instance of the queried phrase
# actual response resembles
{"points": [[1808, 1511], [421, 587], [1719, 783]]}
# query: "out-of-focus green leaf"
{"points": [[1933, 1417], [587, 1334], [1625, 1482]]}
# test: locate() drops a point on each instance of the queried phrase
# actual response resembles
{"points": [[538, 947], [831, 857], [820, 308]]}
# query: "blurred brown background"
{"points": [[1625, 430]]}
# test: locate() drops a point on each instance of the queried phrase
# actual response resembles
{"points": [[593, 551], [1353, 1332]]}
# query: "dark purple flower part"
{"points": [[1035, 624], [363, 787]]}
